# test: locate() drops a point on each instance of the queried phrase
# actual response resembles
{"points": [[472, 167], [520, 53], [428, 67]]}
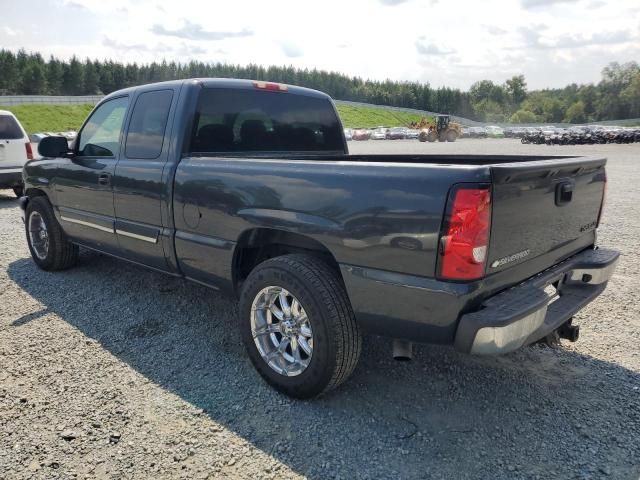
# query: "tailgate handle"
{"points": [[564, 193]]}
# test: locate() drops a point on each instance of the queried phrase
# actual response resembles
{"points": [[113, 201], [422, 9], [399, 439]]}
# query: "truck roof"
{"points": [[216, 83]]}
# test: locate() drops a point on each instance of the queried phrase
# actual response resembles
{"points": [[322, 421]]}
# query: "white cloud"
{"points": [[543, 3], [427, 48], [10, 32], [194, 31], [291, 50]]}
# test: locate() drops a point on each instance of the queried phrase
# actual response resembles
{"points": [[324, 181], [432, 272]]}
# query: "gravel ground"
{"points": [[110, 371]]}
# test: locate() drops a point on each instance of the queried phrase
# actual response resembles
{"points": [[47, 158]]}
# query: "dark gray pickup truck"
{"points": [[248, 187]]}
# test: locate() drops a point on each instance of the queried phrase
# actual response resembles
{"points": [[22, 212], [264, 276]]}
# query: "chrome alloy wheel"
{"points": [[38, 235], [281, 331]]}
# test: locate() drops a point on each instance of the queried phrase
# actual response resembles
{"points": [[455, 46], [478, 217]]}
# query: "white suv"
{"points": [[15, 150]]}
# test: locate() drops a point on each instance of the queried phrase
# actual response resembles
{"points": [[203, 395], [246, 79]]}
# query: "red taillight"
{"points": [[272, 87], [29, 151], [465, 237]]}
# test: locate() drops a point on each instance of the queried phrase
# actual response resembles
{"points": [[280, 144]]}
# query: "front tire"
{"points": [[297, 325], [49, 246], [18, 191]]}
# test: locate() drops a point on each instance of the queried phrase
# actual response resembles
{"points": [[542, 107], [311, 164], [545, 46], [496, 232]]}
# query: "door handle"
{"points": [[104, 179]]}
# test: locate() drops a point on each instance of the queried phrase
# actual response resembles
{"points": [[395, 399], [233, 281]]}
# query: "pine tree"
{"points": [[54, 76], [72, 77], [90, 79], [9, 73], [34, 81]]}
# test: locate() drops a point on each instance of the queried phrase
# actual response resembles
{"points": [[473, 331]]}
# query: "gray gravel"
{"points": [[110, 371]]}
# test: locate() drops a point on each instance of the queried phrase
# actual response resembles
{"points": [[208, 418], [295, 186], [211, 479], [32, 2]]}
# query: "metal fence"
{"points": [[9, 100]]}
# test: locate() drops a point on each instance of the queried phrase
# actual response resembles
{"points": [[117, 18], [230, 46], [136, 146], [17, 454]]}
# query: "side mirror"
{"points": [[53, 147]]}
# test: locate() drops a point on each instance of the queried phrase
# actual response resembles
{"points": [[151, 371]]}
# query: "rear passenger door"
{"points": [[140, 192]]}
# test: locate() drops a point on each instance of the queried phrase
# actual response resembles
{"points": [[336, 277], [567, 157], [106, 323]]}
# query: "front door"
{"points": [[83, 184], [139, 188]]}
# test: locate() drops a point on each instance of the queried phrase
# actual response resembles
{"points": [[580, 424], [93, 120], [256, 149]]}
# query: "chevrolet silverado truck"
{"points": [[248, 187]]}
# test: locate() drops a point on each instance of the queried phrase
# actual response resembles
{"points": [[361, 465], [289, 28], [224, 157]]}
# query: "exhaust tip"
{"points": [[402, 351]]}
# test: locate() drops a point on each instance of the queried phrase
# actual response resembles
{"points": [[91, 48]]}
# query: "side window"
{"points": [[148, 124], [100, 136]]}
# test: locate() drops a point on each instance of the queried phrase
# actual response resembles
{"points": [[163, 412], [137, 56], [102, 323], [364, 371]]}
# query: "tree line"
{"points": [[616, 96]]}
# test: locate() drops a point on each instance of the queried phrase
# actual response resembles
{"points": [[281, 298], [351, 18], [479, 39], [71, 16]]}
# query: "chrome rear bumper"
{"points": [[528, 312]]}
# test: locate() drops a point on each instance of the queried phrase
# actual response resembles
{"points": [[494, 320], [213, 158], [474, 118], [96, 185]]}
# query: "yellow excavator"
{"points": [[441, 129]]}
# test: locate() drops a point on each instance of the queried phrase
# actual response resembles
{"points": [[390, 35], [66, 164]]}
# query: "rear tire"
{"points": [[52, 249], [451, 136], [332, 331]]}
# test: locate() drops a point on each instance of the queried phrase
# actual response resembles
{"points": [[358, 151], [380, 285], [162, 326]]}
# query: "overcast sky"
{"points": [[443, 42]]}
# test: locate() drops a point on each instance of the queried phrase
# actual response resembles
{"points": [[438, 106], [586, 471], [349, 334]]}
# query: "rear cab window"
{"points": [[148, 124], [10, 128], [244, 120]]}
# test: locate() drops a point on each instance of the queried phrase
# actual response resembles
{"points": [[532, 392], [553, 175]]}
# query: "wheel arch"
{"points": [[256, 245], [32, 193], [36, 192]]}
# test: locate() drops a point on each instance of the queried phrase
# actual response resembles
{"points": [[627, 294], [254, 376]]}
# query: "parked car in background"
{"points": [[518, 132], [15, 150], [412, 133], [379, 133], [70, 135], [348, 134], [397, 133], [36, 137], [361, 134], [494, 131], [477, 132], [511, 132]]}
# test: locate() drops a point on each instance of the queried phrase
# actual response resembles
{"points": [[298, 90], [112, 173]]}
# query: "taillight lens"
{"points": [[465, 237], [29, 151]]}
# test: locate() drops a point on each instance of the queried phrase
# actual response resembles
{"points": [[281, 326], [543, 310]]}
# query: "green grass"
{"points": [[59, 118], [366, 117], [50, 118]]}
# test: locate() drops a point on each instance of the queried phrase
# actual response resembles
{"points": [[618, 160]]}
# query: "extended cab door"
{"points": [[140, 192], [83, 184]]}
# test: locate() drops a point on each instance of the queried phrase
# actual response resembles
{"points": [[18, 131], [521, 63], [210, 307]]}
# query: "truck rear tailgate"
{"points": [[543, 205]]}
